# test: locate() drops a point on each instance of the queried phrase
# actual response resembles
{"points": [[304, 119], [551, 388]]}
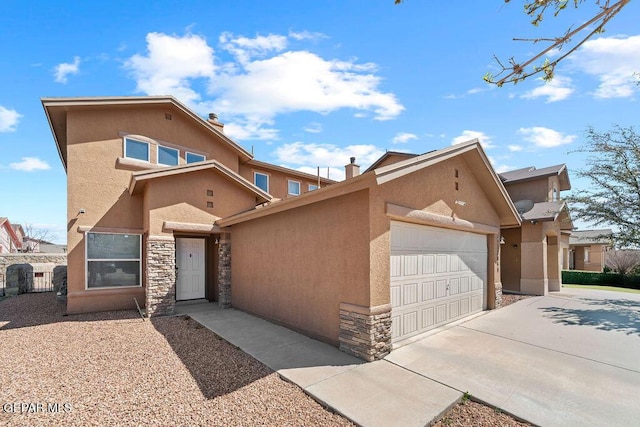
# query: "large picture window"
{"points": [[135, 149], [113, 260]]}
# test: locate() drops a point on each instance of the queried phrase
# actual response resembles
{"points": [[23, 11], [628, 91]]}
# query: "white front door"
{"points": [[437, 276], [190, 282]]}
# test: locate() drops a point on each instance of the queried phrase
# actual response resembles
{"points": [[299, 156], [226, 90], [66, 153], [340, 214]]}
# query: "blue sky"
{"points": [[307, 84]]}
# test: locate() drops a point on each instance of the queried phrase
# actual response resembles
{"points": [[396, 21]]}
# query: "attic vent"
{"points": [[523, 206], [167, 116]]}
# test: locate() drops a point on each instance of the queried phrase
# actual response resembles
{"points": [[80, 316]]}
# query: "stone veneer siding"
{"points": [[365, 332], [224, 272], [498, 295], [160, 276]]}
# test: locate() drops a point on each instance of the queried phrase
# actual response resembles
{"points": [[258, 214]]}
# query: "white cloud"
{"points": [[468, 135], [64, 69], [612, 60], [472, 91], [171, 64], [545, 137], [302, 81], [313, 127], [263, 80], [515, 148], [305, 156], [30, 164], [8, 119], [558, 89], [403, 138]]}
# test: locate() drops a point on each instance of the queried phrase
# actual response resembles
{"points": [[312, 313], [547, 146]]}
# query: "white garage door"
{"points": [[437, 276]]}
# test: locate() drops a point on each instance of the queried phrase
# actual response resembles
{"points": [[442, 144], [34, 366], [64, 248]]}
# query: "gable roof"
{"points": [[531, 173], [471, 151], [56, 111], [477, 161], [139, 179], [591, 237], [386, 156]]}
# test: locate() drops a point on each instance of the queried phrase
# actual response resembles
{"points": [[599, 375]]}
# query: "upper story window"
{"points": [[261, 180], [167, 156], [313, 187], [135, 149], [193, 157], [293, 188]]}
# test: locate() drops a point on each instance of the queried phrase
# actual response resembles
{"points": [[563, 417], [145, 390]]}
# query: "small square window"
{"points": [[209, 193], [261, 181], [293, 188], [134, 149], [167, 156], [209, 204], [313, 187], [193, 157]]}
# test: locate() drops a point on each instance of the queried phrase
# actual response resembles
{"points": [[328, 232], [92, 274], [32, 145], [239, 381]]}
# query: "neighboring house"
{"points": [[534, 253], [587, 249], [164, 207], [10, 242]]}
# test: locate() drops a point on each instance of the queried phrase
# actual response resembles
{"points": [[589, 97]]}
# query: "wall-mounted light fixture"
{"points": [[81, 211], [461, 203], [502, 242], [217, 240]]}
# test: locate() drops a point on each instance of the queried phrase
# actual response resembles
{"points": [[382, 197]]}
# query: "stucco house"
{"points": [[534, 253], [10, 241], [588, 248], [164, 207]]}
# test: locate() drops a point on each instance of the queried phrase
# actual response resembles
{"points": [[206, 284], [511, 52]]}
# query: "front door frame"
{"points": [[205, 261]]}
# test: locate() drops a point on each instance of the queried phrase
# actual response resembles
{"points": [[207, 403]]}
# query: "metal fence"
{"points": [[37, 281]]}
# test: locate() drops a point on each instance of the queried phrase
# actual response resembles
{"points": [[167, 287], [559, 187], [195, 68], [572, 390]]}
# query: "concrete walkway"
{"points": [[370, 394], [572, 358]]}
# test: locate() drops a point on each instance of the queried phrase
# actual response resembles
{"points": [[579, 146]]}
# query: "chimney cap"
{"points": [[353, 160], [213, 116]]}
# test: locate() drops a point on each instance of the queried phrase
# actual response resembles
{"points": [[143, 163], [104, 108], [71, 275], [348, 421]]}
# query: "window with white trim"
{"points": [[193, 157], [293, 188], [261, 180], [587, 254], [313, 187], [135, 149], [167, 156], [113, 260]]}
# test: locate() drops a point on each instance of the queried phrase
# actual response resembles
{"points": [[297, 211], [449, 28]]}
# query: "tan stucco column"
{"points": [[553, 263], [533, 279]]}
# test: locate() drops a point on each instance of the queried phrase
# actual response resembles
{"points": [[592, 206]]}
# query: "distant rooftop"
{"points": [[591, 237], [531, 172]]}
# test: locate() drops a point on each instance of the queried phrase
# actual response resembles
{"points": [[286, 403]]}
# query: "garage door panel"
{"points": [[410, 265], [428, 317], [437, 276], [409, 293], [428, 290]]}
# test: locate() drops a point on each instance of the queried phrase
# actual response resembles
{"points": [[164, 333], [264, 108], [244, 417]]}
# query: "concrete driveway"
{"points": [[572, 358]]}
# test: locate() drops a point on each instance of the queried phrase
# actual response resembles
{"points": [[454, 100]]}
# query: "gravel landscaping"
{"points": [[113, 368]]}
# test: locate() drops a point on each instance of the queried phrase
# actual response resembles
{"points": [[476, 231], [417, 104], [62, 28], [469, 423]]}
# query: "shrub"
{"points": [[578, 277]]}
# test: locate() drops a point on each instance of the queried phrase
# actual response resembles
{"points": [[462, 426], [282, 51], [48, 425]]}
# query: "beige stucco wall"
{"points": [[95, 183], [297, 266], [278, 180], [431, 190], [184, 198], [596, 258], [536, 190], [511, 259]]}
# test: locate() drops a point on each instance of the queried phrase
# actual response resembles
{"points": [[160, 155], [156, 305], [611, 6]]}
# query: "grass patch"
{"points": [[604, 288]]}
